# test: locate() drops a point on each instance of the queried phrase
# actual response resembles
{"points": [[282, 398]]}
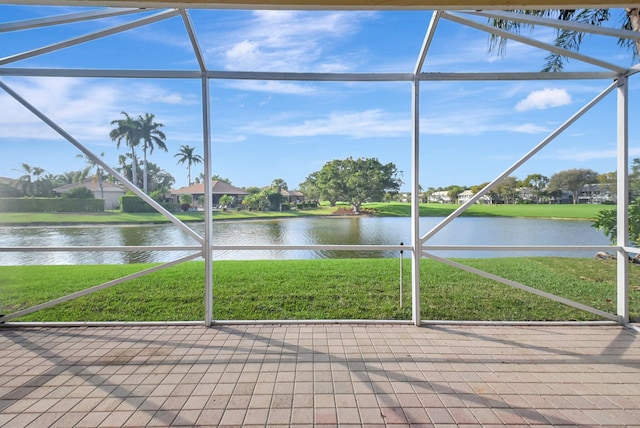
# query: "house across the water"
{"points": [[110, 192], [219, 189]]}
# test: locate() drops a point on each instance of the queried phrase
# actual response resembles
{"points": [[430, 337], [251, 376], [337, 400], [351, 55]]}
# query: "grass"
{"points": [[393, 209], [116, 217], [556, 211], [319, 289]]}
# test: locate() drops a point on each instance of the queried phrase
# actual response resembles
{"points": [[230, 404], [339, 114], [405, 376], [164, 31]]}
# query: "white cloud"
{"points": [[82, 107], [286, 41], [544, 99], [364, 124]]}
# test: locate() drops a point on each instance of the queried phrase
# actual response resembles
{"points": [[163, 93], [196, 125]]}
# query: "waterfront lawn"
{"points": [[117, 217], [555, 211], [391, 209], [319, 289]]}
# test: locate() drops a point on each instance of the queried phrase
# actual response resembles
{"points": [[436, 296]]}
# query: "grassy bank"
{"points": [[393, 209], [319, 289]]}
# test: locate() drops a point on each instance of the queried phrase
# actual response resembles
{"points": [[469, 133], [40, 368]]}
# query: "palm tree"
{"points": [[127, 130], [565, 38], [151, 135], [186, 155]]}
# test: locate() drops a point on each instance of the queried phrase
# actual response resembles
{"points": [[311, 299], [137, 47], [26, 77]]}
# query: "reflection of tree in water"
{"points": [[275, 233], [343, 231], [135, 236]]}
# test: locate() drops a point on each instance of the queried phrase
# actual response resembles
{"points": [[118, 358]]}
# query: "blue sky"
{"points": [[470, 131]]}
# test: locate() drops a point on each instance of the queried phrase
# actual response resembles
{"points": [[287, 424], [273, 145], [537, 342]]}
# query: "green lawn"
{"points": [[319, 289], [393, 209]]}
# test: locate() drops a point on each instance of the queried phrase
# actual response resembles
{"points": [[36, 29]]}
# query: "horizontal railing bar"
{"points": [[333, 77], [518, 247], [319, 77], [81, 248], [313, 247], [100, 73], [321, 247], [508, 76]]}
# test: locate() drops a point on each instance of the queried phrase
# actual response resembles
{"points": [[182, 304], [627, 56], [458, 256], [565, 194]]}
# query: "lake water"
{"points": [[297, 231]]}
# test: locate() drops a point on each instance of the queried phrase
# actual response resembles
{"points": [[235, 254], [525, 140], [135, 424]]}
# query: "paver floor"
{"points": [[320, 375]]}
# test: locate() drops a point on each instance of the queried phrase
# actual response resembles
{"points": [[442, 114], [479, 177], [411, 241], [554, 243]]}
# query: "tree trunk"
{"points": [[634, 19], [134, 168], [144, 173]]}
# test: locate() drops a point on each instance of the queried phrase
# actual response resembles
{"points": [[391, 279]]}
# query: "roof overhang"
{"points": [[342, 4]]}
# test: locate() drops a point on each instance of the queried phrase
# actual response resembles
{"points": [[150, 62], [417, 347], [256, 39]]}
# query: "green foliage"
{"points": [[572, 180], [50, 205], [226, 200], [133, 204], [186, 154], [319, 289], [353, 180], [607, 221], [569, 39], [79, 193]]}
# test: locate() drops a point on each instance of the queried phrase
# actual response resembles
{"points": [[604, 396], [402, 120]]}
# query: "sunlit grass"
{"points": [[392, 209], [319, 289]]}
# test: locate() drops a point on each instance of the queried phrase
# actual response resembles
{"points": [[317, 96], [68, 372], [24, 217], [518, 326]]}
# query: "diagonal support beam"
{"points": [[90, 290], [162, 210], [194, 40], [557, 23], [428, 38], [526, 40], [516, 165], [523, 287], [89, 37], [65, 19]]}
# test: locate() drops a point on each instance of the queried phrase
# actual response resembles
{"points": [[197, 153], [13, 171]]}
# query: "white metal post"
{"points": [[208, 205], [623, 201], [415, 204]]}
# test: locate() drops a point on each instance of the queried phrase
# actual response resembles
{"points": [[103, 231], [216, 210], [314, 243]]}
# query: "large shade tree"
{"points": [[571, 39], [355, 180], [572, 180]]}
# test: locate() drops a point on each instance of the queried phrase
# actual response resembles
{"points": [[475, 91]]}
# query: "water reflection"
{"points": [[301, 231]]}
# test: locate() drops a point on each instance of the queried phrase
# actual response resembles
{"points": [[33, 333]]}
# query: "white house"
{"points": [[440, 197], [110, 192]]}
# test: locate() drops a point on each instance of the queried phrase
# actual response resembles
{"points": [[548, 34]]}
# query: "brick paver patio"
{"points": [[320, 374]]}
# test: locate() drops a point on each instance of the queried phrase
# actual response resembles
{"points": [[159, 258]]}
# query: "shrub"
{"points": [[41, 205], [79, 193]]}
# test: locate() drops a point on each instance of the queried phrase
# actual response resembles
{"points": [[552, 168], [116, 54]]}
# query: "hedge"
{"points": [[134, 204], [43, 205]]}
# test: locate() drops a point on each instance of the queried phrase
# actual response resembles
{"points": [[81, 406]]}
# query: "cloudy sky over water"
{"points": [[261, 130]]}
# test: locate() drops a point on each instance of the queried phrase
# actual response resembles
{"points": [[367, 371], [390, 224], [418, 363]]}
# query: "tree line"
{"points": [[540, 188]]}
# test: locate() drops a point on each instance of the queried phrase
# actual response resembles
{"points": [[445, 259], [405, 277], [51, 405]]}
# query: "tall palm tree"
{"points": [[569, 39], [151, 136], [127, 130], [186, 155]]}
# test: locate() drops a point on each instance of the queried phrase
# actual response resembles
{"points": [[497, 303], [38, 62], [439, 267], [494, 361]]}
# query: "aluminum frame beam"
{"points": [[65, 19], [519, 163], [531, 42], [417, 248], [557, 23], [88, 37]]}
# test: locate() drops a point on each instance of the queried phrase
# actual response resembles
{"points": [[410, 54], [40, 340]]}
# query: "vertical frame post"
{"points": [[622, 238], [208, 204], [415, 203]]}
